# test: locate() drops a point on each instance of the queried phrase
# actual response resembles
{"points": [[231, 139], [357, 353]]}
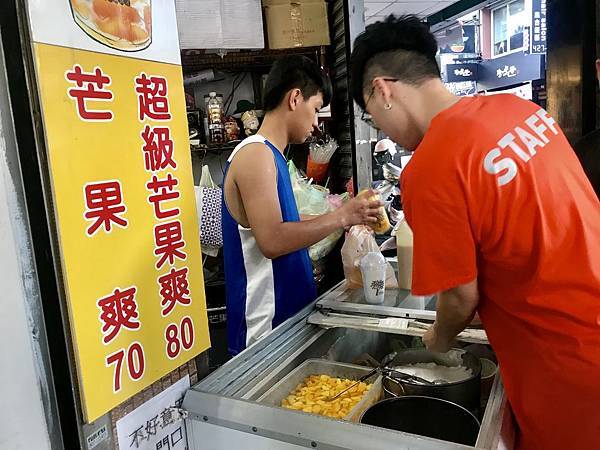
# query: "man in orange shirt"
{"points": [[505, 223]]}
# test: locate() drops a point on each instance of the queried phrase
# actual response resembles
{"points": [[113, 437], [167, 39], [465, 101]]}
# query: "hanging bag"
{"points": [[210, 201]]}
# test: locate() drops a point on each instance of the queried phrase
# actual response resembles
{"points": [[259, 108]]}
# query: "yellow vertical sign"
{"points": [[116, 135]]}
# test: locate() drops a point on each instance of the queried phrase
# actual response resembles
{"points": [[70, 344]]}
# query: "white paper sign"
{"points": [[220, 24], [153, 426]]}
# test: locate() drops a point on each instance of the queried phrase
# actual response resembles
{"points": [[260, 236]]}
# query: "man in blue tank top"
{"points": [[267, 269]]}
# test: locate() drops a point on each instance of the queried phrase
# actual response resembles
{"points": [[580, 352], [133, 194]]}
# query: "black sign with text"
{"points": [[455, 73], [510, 69], [462, 88]]}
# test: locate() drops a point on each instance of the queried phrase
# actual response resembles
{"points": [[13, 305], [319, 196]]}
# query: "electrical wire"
{"points": [[237, 82], [229, 98]]}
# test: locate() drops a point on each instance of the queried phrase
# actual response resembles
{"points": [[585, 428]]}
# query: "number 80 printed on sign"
{"points": [[179, 338]]}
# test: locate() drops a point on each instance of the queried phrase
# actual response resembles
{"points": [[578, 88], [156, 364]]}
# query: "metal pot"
{"points": [[425, 416], [465, 393]]}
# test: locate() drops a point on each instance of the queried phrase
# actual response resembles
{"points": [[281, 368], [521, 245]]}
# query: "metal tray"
{"points": [[287, 384]]}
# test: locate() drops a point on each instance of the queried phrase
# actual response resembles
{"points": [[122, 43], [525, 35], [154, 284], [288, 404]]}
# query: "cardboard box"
{"points": [[296, 23]]}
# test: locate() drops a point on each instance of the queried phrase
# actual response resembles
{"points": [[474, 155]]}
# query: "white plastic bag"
{"points": [[359, 242]]}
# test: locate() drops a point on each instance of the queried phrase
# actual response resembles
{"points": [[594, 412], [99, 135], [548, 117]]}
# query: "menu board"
{"points": [[111, 93]]}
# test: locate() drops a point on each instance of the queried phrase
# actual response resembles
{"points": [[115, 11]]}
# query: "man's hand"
{"points": [[433, 342], [359, 211], [455, 310]]}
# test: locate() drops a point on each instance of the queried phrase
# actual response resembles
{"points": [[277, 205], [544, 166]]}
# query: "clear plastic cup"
{"points": [[373, 268]]}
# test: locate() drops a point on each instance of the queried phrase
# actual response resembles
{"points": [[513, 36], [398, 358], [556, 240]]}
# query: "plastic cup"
{"points": [[316, 171], [488, 373], [373, 269]]}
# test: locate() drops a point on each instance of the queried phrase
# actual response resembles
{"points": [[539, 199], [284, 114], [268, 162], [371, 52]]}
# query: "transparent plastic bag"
{"points": [[359, 242], [315, 200], [310, 199]]}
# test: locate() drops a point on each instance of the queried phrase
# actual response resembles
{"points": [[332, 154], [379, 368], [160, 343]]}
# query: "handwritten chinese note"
{"points": [[156, 425]]}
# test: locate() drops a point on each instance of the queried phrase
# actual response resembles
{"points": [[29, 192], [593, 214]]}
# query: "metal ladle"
{"points": [[388, 359], [409, 377]]}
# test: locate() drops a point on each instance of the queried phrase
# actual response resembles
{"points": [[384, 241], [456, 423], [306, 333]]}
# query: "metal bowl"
{"points": [[425, 416], [466, 392]]}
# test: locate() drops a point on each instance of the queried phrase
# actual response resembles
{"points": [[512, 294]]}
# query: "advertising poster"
{"points": [[112, 99]]}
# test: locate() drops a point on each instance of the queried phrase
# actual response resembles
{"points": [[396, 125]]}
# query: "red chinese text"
{"points": [[164, 191], [153, 101], [168, 239], [104, 202], [90, 86], [158, 148], [174, 288], [118, 310]]}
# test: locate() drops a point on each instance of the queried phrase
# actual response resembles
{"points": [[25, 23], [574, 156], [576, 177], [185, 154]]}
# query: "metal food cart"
{"points": [[223, 411]]}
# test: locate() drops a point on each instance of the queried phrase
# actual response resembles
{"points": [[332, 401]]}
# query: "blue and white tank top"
{"points": [[262, 293]]}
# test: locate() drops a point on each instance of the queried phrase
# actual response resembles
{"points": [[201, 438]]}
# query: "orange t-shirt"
{"points": [[495, 192]]}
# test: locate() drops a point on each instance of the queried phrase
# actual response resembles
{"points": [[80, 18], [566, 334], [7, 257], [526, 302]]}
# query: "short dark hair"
{"points": [[295, 72], [398, 47]]}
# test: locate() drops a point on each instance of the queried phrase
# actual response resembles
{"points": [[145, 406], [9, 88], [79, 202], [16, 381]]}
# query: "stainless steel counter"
{"points": [[223, 413]]}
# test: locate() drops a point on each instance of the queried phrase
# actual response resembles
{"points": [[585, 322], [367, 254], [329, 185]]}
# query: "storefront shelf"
{"points": [[243, 60]]}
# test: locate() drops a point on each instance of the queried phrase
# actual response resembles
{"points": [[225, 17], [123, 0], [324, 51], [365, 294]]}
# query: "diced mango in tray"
{"points": [[314, 393]]}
